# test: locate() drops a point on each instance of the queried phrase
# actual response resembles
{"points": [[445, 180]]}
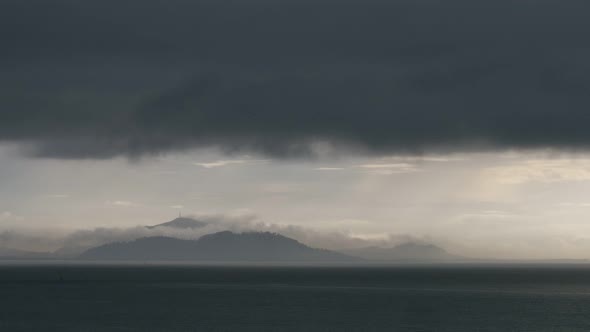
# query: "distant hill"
{"points": [[222, 246], [181, 222], [408, 252]]}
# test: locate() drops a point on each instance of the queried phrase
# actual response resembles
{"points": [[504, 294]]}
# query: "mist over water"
{"points": [[352, 165], [76, 241]]}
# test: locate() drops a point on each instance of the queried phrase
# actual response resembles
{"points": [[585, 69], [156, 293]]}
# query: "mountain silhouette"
{"points": [[410, 252], [221, 246], [181, 222]]}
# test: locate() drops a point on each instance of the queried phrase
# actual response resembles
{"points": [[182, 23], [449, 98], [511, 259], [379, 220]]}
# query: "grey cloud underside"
{"points": [[112, 78]]}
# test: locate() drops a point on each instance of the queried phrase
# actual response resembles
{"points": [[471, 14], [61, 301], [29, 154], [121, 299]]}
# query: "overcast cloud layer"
{"points": [[105, 78]]}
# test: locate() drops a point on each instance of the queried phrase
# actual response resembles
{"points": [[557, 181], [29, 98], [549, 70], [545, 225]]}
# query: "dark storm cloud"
{"points": [[100, 79]]}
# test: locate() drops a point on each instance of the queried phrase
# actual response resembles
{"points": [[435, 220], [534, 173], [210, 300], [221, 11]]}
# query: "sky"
{"points": [[461, 123]]}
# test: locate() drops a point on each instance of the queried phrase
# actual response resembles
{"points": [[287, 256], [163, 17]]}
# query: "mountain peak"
{"points": [[181, 222]]}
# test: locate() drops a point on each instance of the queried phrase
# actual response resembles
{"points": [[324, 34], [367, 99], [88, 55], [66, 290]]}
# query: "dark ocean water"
{"points": [[215, 298]]}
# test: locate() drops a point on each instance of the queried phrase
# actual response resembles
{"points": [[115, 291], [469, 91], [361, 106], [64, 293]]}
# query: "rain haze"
{"points": [[457, 123], [295, 165]]}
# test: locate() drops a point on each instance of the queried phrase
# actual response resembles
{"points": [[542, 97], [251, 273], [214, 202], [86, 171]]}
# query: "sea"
{"points": [[169, 297]]}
